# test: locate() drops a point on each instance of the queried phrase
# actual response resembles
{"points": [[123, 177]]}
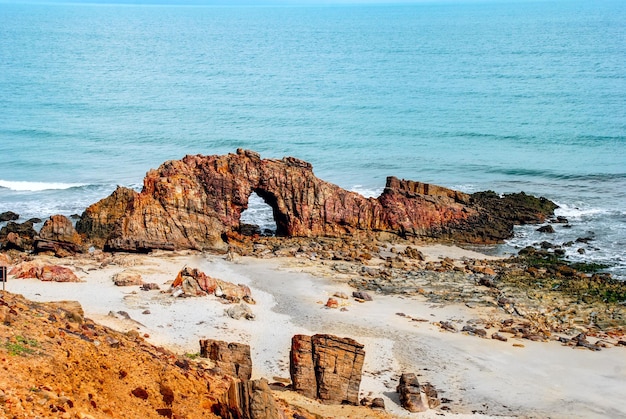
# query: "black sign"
{"points": [[3, 274]]}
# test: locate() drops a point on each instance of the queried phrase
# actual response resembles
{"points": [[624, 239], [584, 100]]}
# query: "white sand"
{"points": [[487, 376]]}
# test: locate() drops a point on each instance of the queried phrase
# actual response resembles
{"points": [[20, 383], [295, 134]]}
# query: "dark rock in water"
{"points": [[249, 229], [581, 251], [196, 203], [546, 229], [584, 239], [559, 252], [17, 236], [546, 245], [34, 220], [9, 216], [561, 220], [410, 393]]}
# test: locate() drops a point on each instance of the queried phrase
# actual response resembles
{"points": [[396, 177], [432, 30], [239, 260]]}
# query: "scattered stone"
{"points": [[238, 311], [410, 394], [445, 325], [151, 286], [499, 337], [475, 331], [341, 295], [127, 278], [140, 393], [332, 303], [362, 295]]}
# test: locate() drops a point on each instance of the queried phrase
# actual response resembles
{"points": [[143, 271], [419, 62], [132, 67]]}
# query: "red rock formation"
{"points": [[231, 358], [327, 367], [44, 272], [59, 237], [250, 400], [196, 202]]}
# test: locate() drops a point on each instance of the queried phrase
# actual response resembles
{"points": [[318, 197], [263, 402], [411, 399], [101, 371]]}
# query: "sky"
{"points": [[235, 2]]}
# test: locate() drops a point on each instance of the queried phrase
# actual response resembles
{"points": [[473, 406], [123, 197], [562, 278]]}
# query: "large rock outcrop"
{"points": [[196, 202], [231, 358], [250, 399], [327, 368]]}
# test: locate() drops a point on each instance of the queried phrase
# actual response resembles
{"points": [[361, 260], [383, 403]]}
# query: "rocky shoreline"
{"points": [[381, 248]]}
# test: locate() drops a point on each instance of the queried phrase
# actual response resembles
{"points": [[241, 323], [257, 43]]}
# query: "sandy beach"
{"points": [[478, 377]]}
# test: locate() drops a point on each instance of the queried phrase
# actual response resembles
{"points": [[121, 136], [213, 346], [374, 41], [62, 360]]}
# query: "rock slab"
{"points": [[327, 368]]}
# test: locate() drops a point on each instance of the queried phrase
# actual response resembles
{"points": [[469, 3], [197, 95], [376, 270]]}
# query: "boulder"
{"points": [[59, 237], [44, 272], [251, 399], [193, 282], [410, 394], [231, 358], [327, 367], [18, 236], [238, 311], [9, 216], [127, 278], [196, 203]]}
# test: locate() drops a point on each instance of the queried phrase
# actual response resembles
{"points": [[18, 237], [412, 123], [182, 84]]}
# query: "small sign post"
{"points": [[3, 276]]}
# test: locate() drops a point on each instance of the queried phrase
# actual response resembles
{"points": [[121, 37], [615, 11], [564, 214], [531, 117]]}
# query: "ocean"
{"points": [[504, 96]]}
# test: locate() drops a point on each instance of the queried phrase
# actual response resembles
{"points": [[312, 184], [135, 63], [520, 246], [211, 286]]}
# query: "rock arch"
{"points": [[194, 202]]}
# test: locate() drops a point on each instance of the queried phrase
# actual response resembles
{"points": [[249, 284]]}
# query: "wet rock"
{"points": [[17, 236], [546, 229], [8, 216], [327, 367], [231, 358]]}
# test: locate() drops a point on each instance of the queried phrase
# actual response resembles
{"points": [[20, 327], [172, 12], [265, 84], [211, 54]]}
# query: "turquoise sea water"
{"points": [[510, 97]]}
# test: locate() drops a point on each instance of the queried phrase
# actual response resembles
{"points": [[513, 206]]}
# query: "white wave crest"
{"points": [[569, 211], [24, 186], [366, 192]]}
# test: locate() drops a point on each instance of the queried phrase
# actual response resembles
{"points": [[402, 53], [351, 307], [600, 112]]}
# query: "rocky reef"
{"points": [[196, 203]]}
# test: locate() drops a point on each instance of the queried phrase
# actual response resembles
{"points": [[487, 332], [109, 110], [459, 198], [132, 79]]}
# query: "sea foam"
{"points": [[24, 186]]}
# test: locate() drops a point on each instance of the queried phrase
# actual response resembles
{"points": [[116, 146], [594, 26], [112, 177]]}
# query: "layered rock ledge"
{"points": [[196, 203]]}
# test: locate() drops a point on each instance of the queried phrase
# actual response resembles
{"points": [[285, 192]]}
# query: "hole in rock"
{"points": [[258, 218]]}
